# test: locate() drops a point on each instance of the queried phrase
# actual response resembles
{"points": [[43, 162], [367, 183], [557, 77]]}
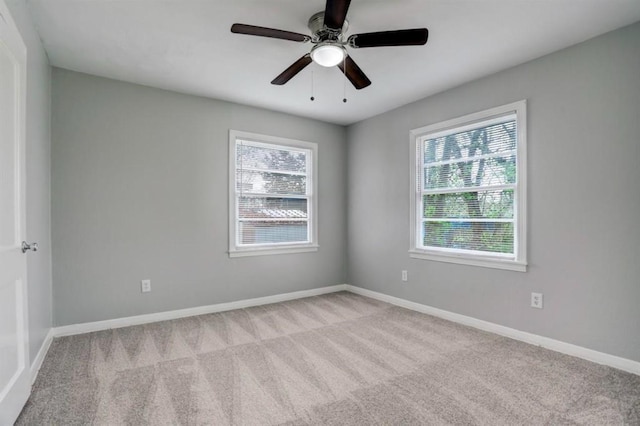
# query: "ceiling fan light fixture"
{"points": [[328, 55]]}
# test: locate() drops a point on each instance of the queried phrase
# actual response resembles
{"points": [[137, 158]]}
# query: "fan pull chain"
{"points": [[344, 80], [312, 97]]}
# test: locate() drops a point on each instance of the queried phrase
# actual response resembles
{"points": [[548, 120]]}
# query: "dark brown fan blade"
{"points": [[413, 37], [335, 13], [268, 32], [354, 74], [294, 69]]}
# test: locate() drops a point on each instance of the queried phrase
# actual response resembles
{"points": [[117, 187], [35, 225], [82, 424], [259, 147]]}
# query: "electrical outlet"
{"points": [[145, 286], [405, 276], [536, 300]]}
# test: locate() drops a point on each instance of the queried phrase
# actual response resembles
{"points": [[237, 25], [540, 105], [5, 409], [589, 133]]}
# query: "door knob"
{"points": [[32, 246]]}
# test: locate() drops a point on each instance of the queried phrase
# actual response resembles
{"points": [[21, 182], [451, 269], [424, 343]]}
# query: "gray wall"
{"points": [[38, 154], [583, 205], [140, 184]]}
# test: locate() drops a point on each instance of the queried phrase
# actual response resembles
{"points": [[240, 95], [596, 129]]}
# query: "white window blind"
{"points": [[273, 195], [468, 186]]}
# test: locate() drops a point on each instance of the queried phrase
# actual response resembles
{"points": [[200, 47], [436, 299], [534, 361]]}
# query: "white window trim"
{"points": [[519, 261], [312, 180]]}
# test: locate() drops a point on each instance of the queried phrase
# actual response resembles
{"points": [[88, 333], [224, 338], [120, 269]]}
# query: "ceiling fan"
{"points": [[327, 29]]}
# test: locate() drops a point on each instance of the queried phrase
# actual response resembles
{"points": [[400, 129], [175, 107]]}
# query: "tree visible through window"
{"points": [[481, 163], [467, 187]]}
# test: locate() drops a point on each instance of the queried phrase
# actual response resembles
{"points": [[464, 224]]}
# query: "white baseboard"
{"points": [[88, 327], [44, 348], [534, 339]]}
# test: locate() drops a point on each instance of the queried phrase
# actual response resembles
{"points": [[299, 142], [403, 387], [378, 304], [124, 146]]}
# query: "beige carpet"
{"points": [[337, 359]]}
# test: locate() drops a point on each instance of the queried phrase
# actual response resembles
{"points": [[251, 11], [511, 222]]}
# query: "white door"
{"points": [[14, 339]]}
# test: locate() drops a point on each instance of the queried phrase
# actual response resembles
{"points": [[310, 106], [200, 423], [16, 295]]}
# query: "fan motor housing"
{"points": [[322, 33]]}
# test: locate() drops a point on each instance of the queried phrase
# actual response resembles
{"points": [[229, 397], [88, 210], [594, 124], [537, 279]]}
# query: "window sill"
{"points": [[245, 252], [485, 262]]}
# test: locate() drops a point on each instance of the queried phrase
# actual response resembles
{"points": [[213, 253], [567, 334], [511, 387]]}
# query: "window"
{"points": [[272, 195], [468, 189]]}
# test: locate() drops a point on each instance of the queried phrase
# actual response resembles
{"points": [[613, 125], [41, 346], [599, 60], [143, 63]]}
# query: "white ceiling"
{"points": [[186, 46]]}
